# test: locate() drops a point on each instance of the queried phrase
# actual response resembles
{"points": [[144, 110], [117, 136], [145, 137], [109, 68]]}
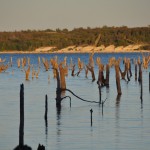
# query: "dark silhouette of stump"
{"points": [[135, 71], [100, 94], [41, 147], [46, 107], [21, 145], [45, 116], [91, 111], [21, 128], [140, 73]]}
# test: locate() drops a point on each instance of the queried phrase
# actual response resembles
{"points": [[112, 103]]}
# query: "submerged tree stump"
{"points": [[136, 71], [117, 78], [58, 90], [21, 145], [91, 69], [21, 128], [101, 80], [107, 76], [140, 73]]}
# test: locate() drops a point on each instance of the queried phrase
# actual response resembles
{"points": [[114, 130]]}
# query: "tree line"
{"points": [[31, 39]]}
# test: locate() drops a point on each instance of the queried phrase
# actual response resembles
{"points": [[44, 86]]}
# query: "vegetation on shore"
{"points": [[29, 40]]}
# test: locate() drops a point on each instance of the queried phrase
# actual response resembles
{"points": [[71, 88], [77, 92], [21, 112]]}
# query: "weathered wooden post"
{"points": [[21, 128], [46, 107], [118, 78], [91, 117]]}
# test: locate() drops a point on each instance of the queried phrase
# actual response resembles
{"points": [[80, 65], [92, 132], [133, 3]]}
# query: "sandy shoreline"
{"points": [[81, 49], [33, 52]]}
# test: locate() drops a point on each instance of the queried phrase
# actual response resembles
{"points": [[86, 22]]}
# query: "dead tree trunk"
{"points": [[58, 90], [107, 76], [21, 128], [91, 69], [135, 71], [46, 107], [62, 77], [130, 71], [101, 79], [118, 78], [73, 69], [140, 73]]}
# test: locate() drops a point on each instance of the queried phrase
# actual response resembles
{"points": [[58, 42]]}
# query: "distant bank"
{"points": [[84, 49]]}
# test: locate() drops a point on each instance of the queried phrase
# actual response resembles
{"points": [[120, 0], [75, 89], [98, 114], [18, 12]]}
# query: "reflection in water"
{"points": [[141, 97], [58, 120], [63, 93], [107, 92], [141, 103], [118, 100], [46, 130], [117, 118]]}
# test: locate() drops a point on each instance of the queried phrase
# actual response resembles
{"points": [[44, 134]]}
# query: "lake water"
{"points": [[125, 123]]}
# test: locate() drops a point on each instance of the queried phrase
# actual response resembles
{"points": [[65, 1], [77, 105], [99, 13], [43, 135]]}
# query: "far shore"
{"points": [[72, 52], [81, 49]]}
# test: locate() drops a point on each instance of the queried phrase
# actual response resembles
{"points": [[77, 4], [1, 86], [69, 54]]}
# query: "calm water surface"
{"points": [[125, 123]]}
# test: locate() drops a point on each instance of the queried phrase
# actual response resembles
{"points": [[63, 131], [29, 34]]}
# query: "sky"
{"points": [[16, 15]]}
